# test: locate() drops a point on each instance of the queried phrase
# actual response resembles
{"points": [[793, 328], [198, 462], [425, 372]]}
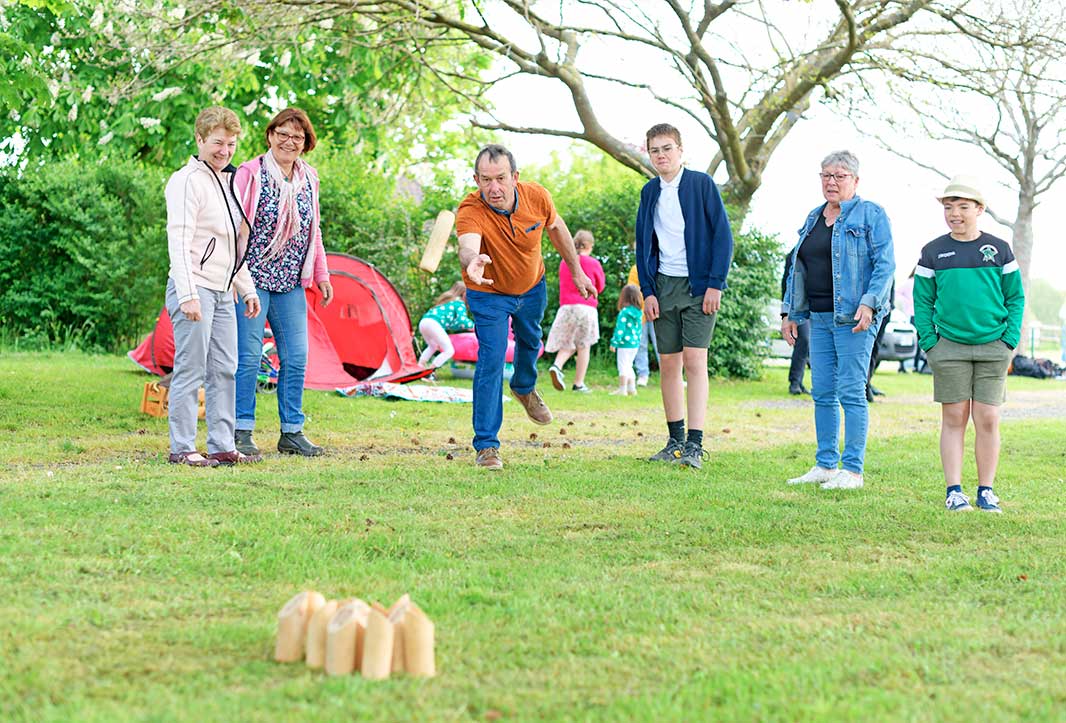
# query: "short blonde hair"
{"points": [[583, 240], [217, 117]]}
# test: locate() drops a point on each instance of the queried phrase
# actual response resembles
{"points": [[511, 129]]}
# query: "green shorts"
{"points": [[681, 321], [962, 372]]}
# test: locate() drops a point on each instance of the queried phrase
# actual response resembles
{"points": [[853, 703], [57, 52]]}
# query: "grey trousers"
{"points": [[205, 354]]}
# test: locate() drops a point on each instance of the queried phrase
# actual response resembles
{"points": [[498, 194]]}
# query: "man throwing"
{"points": [[684, 248], [500, 228]]}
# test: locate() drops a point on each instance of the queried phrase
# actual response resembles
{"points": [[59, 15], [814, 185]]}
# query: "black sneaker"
{"points": [[297, 443], [242, 440], [693, 455], [670, 453]]}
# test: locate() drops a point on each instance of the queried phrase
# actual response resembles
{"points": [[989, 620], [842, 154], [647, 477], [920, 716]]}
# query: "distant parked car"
{"points": [[900, 339]]}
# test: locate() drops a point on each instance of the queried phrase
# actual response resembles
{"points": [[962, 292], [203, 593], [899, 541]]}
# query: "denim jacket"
{"points": [[864, 263]]}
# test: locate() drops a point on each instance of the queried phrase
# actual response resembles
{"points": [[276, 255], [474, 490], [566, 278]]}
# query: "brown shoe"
{"points": [[536, 409], [489, 458], [193, 459], [235, 457]]}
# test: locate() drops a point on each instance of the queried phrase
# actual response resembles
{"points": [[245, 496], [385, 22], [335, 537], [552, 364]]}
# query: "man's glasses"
{"points": [[284, 137], [838, 177], [661, 150]]}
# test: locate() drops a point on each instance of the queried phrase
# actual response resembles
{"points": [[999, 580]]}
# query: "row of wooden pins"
{"points": [[345, 636]]}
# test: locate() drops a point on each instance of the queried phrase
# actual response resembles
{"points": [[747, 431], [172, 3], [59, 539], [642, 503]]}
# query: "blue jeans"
{"points": [[492, 314], [839, 362], [647, 336], [287, 314]]}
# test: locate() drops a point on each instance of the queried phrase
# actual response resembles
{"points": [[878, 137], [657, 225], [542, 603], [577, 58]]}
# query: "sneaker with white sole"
{"points": [[843, 480], [580, 388], [642, 381], [957, 502], [988, 502], [558, 380], [816, 475]]}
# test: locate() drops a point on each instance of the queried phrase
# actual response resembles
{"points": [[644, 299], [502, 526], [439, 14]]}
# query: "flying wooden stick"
{"points": [[438, 239]]}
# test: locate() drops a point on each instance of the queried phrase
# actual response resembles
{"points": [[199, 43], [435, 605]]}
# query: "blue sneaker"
{"points": [[958, 502], [988, 502]]}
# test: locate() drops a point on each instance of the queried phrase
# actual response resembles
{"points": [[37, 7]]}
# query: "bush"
{"points": [[83, 253]]}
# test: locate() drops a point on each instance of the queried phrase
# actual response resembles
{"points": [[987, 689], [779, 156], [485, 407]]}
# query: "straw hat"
{"points": [[963, 186]]}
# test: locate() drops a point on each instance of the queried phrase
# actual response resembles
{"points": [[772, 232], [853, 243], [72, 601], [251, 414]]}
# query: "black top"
{"points": [[816, 253]]}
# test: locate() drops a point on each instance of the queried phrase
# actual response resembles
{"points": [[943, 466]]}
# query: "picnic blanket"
{"points": [[409, 392]]}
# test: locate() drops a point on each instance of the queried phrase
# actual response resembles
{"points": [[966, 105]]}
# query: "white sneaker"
{"points": [[642, 381], [843, 480], [816, 475]]}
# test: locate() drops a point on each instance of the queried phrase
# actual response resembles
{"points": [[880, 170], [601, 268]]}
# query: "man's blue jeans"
{"points": [[839, 363], [287, 314], [493, 314]]}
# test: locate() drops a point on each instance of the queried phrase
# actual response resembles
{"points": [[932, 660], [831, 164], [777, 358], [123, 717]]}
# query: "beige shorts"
{"points": [[962, 372]]}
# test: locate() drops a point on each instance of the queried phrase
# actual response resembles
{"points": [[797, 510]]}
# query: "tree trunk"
{"points": [[1022, 242]]}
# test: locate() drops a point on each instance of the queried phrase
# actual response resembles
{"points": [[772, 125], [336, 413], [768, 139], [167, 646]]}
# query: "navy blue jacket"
{"points": [[708, 238]]}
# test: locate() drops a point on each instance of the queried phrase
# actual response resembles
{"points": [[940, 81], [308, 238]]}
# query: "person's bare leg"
{"points": [[583, 354], [953, 420], [986, 442], [695, 362], [672, 389], [562, 357]]}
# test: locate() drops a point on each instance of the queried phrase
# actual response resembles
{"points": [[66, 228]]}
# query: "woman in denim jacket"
{"points": [[842, 269]]}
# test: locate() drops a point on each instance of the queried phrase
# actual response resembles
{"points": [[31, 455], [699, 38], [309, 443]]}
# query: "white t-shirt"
{"points": [[670, 229]]}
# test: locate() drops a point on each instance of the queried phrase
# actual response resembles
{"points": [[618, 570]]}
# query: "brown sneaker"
{"points": [[193, 459], [235, 457], [535, 407], [489, 458]]}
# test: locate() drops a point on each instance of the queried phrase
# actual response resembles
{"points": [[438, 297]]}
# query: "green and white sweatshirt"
{"points": [[968, 291]]}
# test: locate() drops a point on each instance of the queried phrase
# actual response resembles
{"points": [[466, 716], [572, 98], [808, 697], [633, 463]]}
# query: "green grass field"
{"points": [[578, 583]]}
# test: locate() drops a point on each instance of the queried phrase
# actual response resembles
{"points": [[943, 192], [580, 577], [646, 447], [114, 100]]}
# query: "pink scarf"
{"points": [[288, 214]]}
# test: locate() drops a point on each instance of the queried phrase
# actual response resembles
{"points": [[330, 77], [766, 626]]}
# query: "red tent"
{"points": [[364, 333]]}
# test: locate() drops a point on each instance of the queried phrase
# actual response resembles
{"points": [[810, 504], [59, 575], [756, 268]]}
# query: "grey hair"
{"points": [[844, 159], [494, 151]]}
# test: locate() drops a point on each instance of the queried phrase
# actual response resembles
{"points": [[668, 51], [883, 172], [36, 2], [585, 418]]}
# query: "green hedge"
{"points": [[83, 254]]}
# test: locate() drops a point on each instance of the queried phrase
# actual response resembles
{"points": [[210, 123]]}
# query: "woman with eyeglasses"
{"points": [[842, 269], [279, 194]]}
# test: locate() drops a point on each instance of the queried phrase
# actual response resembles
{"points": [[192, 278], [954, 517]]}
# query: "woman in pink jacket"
{"points": [[279, 196], [206, 239]]}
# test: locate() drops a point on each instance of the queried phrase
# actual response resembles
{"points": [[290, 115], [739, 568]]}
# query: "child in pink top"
{"points": [[577, 324]]}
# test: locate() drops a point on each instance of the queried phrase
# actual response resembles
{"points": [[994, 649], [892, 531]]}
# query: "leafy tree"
{"points": [[119, 79]]}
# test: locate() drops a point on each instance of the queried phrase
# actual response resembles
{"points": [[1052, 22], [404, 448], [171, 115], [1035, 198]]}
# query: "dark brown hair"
{"points": [[297, 116], [629, 296], [662, 129]]}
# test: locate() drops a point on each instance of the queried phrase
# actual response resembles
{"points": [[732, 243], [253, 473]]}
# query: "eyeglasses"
{"points": [[838, 177], [284, 137], [661, 150]]}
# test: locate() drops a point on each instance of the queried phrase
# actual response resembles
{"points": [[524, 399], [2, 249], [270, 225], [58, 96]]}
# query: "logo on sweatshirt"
{"points": [[946, 254], [988, 253]]}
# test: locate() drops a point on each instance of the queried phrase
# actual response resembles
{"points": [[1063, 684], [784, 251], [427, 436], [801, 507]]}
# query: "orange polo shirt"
{"points": [[511, 240]]}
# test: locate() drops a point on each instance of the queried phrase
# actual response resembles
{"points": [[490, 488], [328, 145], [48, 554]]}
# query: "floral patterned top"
{"points": [[627, 329], [282, 274], [452, 316]]}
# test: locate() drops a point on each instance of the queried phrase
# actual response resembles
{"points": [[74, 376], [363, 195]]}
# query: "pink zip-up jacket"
{"points": [[248, 187], [206, 245]]}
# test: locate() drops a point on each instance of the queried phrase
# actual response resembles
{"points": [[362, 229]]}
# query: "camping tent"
{"points": [[365, 333]]}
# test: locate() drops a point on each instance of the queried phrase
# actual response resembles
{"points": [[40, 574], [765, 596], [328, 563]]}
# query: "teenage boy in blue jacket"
{"points": [[684, 248]]}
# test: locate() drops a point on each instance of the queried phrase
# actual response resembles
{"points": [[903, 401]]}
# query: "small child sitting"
{"points": [[626, 338], [448, 316]]}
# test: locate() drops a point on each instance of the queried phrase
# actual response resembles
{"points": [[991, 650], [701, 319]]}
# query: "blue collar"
{"points": [[503, 213]]}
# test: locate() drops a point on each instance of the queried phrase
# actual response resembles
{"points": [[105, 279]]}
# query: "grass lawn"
{"points": [[579, 583]]}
